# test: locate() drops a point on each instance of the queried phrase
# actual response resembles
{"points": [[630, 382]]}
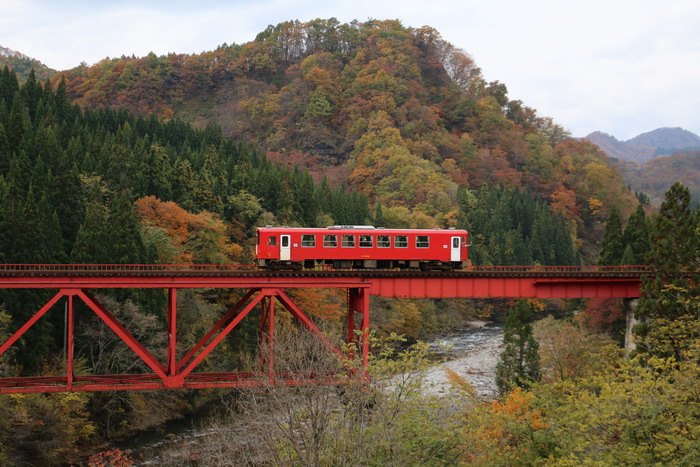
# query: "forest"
{"points": [[176, 159]]}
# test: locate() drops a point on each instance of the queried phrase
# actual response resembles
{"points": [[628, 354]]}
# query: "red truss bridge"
{"points": [[263, 290]]}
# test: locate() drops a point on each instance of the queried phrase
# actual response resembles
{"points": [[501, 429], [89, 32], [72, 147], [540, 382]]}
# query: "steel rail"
{"points": [[179, 270]]}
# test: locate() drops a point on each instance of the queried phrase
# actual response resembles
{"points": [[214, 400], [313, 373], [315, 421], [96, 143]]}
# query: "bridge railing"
{"points": [[8, 269]]}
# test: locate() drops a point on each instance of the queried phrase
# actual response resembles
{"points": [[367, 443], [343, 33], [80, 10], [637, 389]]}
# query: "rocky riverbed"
{"points": [[473, 355]]}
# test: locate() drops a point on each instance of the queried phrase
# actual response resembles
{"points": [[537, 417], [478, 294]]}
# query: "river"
{"points": [[472, 354]]}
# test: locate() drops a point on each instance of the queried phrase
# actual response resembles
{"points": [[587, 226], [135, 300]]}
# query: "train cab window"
{"points": [[400, 241], [455, 242], [330, 241], [422, 241], [272, 240], [308, 241], [366, 241], [383, 241], [348, 241]]}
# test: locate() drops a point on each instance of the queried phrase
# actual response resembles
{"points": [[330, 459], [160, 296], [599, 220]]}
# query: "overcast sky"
{"points": [[619, 66]]}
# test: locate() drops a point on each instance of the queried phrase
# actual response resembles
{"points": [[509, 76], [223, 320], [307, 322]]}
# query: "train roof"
{"points": [[358, 228]]}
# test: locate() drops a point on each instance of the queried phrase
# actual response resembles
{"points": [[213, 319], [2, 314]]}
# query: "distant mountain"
{"points": [[22, 65], [659, 142], [619, 149], [667, 140], [655, 176]]}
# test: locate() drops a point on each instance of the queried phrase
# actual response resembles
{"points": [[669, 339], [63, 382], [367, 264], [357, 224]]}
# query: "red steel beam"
{"points": [[172, 331], [306, 321], [123, 334], [232, 311], [25, 327]]}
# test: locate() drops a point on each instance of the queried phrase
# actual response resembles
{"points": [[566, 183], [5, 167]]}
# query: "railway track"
{"points": [[168, 270]]}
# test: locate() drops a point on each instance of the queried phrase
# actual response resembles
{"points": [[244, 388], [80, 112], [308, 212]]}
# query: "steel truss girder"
{"points": [[174, 374]]}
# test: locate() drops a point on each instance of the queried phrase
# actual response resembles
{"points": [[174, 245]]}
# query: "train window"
{"points": [[285, 241], [400, 241], [422, 241], [348, 241], [272, 240], [383, 241], [455, 242], [366, 241], [330, 241], [308, 240]]}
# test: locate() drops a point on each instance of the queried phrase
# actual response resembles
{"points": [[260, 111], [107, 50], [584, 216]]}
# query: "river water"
{"points": [[471, 354]]}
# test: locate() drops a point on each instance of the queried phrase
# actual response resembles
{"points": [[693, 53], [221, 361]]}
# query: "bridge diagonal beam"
{"points": [[123, 334], [231, 312], [222, 334], [287, 302], [25, 327]]}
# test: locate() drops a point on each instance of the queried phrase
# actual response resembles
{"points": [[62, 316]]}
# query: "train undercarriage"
{"points": [[366, 264]]}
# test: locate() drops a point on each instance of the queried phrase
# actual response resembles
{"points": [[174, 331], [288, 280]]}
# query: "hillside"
{"points": [[655, 177], [23, 65], [397, 112], [641, 148]]}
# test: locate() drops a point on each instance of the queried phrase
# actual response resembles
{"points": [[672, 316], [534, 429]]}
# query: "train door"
{"points": [[455, 251], [285, 249]]}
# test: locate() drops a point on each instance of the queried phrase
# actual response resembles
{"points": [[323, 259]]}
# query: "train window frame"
{"points": [[400, 241], [272, 240], [422, 244], [306, 243], [363, 241], [344, 243], [383, 241], [330, 241]]}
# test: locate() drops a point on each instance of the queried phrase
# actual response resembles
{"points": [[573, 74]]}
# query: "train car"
{"points": [[361, 246]]}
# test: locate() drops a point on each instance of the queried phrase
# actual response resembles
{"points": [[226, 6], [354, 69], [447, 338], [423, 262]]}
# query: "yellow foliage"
{"points": [[460, 383]]}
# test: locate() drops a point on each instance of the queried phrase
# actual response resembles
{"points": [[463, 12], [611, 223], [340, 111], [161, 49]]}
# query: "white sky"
{"points": [[619, 66]]}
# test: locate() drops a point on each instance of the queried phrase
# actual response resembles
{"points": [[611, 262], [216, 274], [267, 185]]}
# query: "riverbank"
{"points": [[472, 355]]}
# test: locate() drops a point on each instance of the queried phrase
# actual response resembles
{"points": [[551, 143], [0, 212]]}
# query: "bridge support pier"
{"points": [[630, 306]]}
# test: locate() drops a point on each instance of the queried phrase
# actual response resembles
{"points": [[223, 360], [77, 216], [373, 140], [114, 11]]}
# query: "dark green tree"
{"points": [[636, 238], [671, 299], [519, 363], [613, 247]]}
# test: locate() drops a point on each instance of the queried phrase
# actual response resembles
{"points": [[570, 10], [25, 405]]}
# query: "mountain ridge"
{"points": [[646, 146], [22, 65]]}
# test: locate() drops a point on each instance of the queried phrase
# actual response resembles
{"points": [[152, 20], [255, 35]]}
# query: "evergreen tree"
{"points": [[613, 247], [519, 363], [636, 237], [671, 299]]}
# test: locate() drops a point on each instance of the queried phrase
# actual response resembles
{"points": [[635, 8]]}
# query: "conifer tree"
{"points": [[519, 363], [636, 238], [612, 248], [671, 299]]}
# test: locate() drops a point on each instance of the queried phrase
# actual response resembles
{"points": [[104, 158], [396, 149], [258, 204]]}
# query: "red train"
{"points": [[361, 246]]}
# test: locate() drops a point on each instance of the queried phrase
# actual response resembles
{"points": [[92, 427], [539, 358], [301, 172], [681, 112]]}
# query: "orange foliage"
{"points": [[517, 406], [326, 304], [501, 426], [195, 238], [112, 457], [564, 203]]}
